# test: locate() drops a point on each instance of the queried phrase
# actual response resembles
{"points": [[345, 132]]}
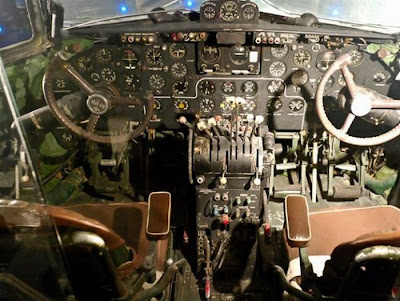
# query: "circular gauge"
{"points": [[356, 57], [295, 105], [279, 51], [249, 88], [229, 11], [228, 105], [60, 83], [104, 55], [206, 105], [180, 87], [239, 54], [156, 81], [153, 56], [209, 54], [277, 69], [85, 63], [129, 59], [342, 81], [275, 104], [108, 75], [131, 82], [329, 83], [276, 87], [228, 88], [157, 105], [379, 77], [209, 12], [181, 104], [178, 70], [302, 58], [325, 59], [207, 87], [249, 105], [177, 50], [249, 12]]}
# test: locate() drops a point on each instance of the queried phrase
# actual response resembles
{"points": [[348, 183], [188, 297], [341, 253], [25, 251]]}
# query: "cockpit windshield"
{"points": [[369, 14]]}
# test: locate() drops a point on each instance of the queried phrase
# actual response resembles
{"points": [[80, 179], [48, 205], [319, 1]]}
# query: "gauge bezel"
{"points": [[171, 51], [232, 18]]}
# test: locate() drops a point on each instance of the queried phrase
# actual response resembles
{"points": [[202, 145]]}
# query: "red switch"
{"points": [[225, 219]]}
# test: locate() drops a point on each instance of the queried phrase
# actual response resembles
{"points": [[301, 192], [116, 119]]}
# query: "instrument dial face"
{"points": [[85, 63], [379, 77], [277, 69], [209, 54], [229, 11], [276, 87], [228, 88], [239, 54], [181, 104], [325, 60], [249, 88], [108, 75], [206, 105], [295, 105], [275, 104], [129, 59], [180, 87], [279, 51], [104, 55], [177, 50], [131, 82], [249, 105], [209, 12], [153, 56], [178, 70], [302, 58], [249, 12], [207, 87], [156, 81], [356, 57]]}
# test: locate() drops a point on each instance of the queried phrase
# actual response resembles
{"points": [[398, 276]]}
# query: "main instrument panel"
{"points": [[223, 73]]}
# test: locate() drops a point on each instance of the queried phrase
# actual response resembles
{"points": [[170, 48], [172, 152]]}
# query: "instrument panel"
{"points": [[273, 75]]}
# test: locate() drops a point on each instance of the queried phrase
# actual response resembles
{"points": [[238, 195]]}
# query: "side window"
{"points": [[15, 26]]}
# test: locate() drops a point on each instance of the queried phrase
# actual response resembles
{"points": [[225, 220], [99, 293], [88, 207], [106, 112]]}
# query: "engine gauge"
{"points": [[156, 81], [108, 74], [249, 105], [379, 77], [209, 54], [276, 87], [207, 87], [228, 88], [209, 12], [229, 11], [206, 105], [178, 70], [181, 104], [295, 105], [356, 57], [60, 83], [249, 88], [129, 59], [277, 69], [153, 56], [85, 63], [104, 55], [325, 60], [239, 54], [302, 58], [180, 87], [275, 104], [177, 50], [131, 82], [279, 51], [249, 11]]}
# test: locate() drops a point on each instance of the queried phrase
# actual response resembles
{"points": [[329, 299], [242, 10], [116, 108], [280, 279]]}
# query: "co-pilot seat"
{"points": [[347, 253], [103, 243]]}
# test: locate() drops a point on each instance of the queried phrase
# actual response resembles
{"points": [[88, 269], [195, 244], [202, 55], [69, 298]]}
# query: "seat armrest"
{"points": [[297, 220]]}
